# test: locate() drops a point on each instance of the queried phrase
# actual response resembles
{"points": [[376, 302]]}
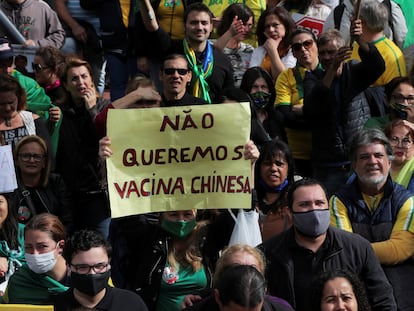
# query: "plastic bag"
{"points": [[246, 228]]}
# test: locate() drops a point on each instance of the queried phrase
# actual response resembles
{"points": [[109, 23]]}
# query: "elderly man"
{"points": [[296, 256], [379, 210]]}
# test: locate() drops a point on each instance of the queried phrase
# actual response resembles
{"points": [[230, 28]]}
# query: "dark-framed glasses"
{"points": [[307, 44], [399, 99], [171, 71], [404, 142], [85, 269], [38, 67], [28, 156]]}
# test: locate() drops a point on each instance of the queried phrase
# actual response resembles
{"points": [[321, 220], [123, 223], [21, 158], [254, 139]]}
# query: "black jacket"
{"points": [[336, 113], [140, 253], [344, 251], [55, 199]]}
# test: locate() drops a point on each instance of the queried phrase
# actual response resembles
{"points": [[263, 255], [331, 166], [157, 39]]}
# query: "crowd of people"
{"points": [[331, 148]]}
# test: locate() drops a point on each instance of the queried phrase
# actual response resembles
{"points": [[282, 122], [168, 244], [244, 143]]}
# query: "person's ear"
{"points": [[60, 246]]}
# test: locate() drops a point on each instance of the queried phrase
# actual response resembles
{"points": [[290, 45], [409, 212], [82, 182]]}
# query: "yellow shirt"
{"points": [[170, 16], [393, 58], [400, 245], [289, 93]]}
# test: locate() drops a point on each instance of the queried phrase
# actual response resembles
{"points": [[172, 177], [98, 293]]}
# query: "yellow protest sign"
{"points": [[178, 158]]}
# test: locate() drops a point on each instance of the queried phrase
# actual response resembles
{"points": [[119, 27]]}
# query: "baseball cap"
{"points": [[6, 50]]}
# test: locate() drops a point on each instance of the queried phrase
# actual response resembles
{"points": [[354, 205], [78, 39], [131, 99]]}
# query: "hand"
{"points": [[54, 114], [271, 45], [4, 266], [29, 43], [104, 147], [406, 123], [79, 33], [189, 300], [90, 98], [236, 26], [297, 109], [147, 93], [343, 54], [251, 152], [356, 28]]}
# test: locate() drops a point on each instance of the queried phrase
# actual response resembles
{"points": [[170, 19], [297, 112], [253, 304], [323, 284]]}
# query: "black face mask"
{"points": [[89, 284]]}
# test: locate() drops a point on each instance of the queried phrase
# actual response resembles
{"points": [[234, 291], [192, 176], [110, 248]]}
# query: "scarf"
{"points": [[404, 176], [201, 72], [273, 189]]}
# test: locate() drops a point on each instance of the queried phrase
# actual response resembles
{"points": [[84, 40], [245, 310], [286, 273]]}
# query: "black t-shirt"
{"points": [[115, 299]]}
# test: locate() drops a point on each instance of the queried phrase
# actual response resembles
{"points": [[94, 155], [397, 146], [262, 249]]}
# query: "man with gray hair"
{"points": [[374, 17], [380, 210]]}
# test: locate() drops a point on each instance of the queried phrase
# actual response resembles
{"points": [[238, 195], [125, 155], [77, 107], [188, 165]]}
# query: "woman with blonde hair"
{"points": [[233, 256], [39, 191]]}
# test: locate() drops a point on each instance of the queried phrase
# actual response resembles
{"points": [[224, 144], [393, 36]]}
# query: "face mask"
{"points": [[260, 99], [399, 110], [41, 263], [312, 223], [179, 229], [89, 284]]}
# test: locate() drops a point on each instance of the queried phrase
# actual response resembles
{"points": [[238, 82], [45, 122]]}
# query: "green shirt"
{"points": [[175, 286], [28, 287]]}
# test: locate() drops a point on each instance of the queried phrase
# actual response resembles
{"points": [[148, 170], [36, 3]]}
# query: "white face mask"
{"points": [[41, 263]]}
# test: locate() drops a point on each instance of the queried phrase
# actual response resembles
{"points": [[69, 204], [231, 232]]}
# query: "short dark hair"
{"points": [[301, 31], [82, 241], [320, 280], [241, 284], [173, 57], [304, 182], [198, 7], [394, 83]]}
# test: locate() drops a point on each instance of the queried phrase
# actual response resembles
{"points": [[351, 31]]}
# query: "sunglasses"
{"points": [[297, 47], [38, 67], [171, 71]]}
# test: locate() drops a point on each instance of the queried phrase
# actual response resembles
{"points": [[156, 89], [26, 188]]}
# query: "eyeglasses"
{"points": [[38, 67], [171, 71], [85, 269], [297, 47], [27, 156], [405, 142], [399, 99]]}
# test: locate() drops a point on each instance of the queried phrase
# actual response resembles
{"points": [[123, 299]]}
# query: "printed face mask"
{"points": [[41, 263], [260, 99], [179, 229], [90, 284], [313, 223], [399, 110]]}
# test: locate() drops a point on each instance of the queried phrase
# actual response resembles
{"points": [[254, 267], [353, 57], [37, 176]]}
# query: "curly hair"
{"points": [[319, 282], [82, 241]]}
